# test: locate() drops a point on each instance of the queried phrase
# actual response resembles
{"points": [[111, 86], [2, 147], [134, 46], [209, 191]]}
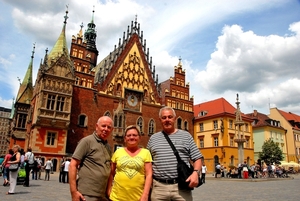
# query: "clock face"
{"points": [[132, 100]]}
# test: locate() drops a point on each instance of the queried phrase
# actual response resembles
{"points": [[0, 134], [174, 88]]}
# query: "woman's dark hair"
{"points": [[10, 151], [22, 151]]}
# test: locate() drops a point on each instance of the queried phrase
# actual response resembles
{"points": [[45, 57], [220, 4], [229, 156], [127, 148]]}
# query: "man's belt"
{"points": [[167, 181]]}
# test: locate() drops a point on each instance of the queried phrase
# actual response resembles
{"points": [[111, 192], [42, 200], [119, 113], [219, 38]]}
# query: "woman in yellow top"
{"points": [[131, 170]]}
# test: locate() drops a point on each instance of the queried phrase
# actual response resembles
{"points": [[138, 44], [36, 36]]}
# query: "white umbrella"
{"points": [[284, 163], [293, 164]]}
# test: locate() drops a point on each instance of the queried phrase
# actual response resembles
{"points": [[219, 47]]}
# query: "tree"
{"points": [[270, 152]]}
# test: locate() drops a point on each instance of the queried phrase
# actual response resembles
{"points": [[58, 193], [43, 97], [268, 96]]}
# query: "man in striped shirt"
{"points": [[165, 177]]}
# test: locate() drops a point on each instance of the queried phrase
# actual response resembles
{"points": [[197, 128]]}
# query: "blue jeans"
{"points": [[6, 173], [34, 175]]}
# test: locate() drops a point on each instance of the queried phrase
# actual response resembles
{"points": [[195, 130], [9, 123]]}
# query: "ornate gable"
{"points": [[62, 67], [131, 70]]}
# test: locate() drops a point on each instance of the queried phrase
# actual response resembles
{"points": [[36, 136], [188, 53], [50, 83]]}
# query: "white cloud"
{"points": [[243, 62], [261, 68], [249, 60], [6, 103], [285, 95], [4, 62]]}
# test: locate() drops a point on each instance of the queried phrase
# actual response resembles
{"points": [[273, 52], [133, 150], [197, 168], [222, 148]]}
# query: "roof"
{"points": [[289, 116], [293, 119], [215, 107], [60, 46], [26, 89], [263, 120]]}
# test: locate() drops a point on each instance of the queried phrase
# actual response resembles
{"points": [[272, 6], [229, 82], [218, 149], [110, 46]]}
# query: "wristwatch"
{"points": [[198, 172]]}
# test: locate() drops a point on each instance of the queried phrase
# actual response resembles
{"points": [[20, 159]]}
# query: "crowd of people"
{"points": [[245, 171], [27, 166]]}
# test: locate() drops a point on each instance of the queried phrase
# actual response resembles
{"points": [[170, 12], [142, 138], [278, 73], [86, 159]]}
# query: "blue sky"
{"points": [[227, 47]]}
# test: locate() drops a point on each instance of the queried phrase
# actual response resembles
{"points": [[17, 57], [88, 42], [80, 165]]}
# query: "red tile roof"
{"points": [[289, 116], [215, 107]]}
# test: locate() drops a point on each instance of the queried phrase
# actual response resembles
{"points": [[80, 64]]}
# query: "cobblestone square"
{"points": [[213, 190]]}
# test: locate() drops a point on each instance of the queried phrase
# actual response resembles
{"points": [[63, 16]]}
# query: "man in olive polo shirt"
{"points": [[92, 161]]}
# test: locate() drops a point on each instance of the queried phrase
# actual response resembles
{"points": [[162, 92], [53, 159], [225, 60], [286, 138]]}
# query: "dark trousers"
{"points": [[61, 175], [203, 177], [239, 174], [47, 174], [27, 170], [65, 176]]}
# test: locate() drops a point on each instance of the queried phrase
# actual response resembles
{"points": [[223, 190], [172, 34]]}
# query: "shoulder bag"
{"points": [[183, 170], [13, 166]]}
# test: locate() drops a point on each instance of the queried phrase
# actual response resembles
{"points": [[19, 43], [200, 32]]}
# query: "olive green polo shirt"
{"points": [[95, 155]]}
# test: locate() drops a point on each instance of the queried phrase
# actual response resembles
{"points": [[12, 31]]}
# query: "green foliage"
{"points": [[271, 152]]}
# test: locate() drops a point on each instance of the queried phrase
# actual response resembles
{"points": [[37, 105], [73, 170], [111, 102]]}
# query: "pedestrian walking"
{"points": [[66, 171], [48, 166], [13, 174], [203, 172]]}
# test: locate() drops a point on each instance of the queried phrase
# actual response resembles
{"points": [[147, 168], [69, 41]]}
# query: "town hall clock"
{"points": [[132, 100]]}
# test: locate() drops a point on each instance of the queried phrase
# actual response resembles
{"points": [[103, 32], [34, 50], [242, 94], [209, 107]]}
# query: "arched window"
{"points": [[77, 80], [186, 125], [140, 124], [82, 120], [179, 120], [119, 90], [107, 114], [120, 122], [151, 127], [115, 121], [146, 95]]}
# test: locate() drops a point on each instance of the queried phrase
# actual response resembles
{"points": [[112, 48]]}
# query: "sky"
{"points": [[250, 48]]}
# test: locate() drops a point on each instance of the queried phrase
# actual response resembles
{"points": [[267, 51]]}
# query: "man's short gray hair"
{"points": [[166, 108]]}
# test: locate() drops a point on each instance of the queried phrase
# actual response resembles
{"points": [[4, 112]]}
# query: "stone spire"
{"points": [[60, 46], [26, 89]]}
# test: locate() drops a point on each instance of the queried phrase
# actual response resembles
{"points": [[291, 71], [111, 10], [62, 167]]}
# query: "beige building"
{"points": [[290, 122]]}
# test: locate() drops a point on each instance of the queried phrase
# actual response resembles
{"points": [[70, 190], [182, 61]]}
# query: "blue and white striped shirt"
{"points": [[164, 160]]}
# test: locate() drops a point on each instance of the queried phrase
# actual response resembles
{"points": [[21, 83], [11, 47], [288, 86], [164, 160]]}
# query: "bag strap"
{"points": [[172, 146]]}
